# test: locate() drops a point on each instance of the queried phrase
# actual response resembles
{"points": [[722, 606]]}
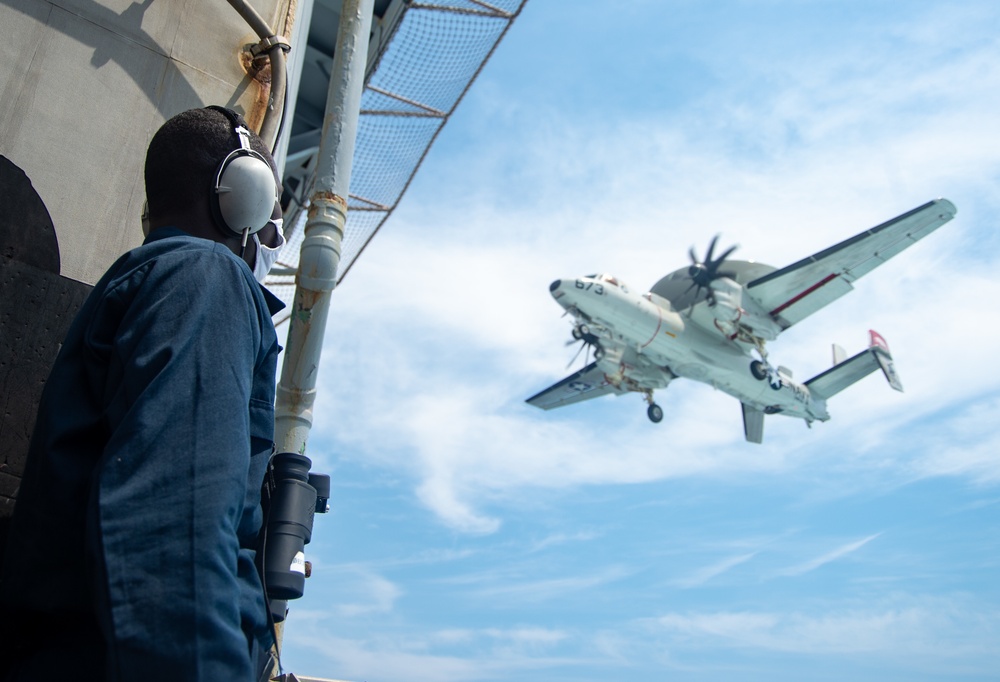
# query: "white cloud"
{"points": [[703, 575], [965, 444], [833, 555], [497, 654], [919, 627], [446, 325], [373, 593], [550, 588]]}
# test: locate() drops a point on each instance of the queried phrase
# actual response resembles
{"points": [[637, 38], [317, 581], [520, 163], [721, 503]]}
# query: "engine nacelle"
{"points": [[735, 312], [728, 307]]}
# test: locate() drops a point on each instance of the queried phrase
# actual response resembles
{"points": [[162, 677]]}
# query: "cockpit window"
{"points": [[614, 281], [609, 279]]}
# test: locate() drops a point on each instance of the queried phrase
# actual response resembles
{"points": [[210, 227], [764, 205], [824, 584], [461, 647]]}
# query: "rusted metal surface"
{"points": [[270, 79], [259, 72], [322, 196]]}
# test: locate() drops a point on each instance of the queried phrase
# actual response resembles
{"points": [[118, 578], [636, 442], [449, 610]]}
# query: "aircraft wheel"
{"points": [[577, 334], [655, 413], [598, 353], [758, 370]]}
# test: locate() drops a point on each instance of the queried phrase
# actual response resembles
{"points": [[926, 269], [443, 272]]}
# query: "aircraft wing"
{"points": [[585, 384], [793, 293]]}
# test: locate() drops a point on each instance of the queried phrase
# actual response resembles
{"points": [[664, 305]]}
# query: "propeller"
{"points": [[703, 272], [587, 339]]}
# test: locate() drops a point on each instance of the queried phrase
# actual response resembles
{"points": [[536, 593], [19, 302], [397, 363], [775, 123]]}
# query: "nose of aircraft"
{"points": [[555, 285]]}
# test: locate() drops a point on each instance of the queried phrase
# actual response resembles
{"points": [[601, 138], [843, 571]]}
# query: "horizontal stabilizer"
{"points": [[851, 370], [753, 424], [585, 384]]}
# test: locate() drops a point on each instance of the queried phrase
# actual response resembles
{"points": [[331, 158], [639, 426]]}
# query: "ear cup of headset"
{"points": [[244, 192]]}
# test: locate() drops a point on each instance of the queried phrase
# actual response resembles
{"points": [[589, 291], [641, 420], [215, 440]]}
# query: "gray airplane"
{"points": [[711, 321]]}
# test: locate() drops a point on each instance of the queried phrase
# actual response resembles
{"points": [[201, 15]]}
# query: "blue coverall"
{"points": [[137, 518]]}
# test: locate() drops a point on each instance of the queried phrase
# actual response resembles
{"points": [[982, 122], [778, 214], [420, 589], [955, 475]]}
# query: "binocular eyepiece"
{"points": [[290, 497]]}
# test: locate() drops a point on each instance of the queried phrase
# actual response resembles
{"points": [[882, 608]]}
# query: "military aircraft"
{"points": [[711, 321]]}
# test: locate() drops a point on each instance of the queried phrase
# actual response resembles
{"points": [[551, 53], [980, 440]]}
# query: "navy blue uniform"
{"points": [[132, 541]]}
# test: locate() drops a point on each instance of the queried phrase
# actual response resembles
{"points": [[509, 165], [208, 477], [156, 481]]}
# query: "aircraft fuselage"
{"points": [[669, 344]]}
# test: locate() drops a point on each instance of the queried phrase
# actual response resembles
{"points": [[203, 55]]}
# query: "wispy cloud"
{"points": [[551, 588], [919, 626], [831, 556], [373, 593], [490, 653], [703, 575], [557, 539]]}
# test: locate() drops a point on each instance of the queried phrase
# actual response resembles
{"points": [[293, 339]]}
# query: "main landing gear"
{"points": [[654, 411], [762, 371]]}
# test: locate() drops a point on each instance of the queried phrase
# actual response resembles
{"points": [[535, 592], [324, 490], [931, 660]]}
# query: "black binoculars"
{"points": [[290, 498]]}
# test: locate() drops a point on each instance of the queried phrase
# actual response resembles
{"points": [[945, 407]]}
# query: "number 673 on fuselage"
{"points": [[711, 321]]}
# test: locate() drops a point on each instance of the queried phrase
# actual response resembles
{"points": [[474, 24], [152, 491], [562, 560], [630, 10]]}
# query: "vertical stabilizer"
{"points": [[839, 355], [753, 423], [880, 349]]}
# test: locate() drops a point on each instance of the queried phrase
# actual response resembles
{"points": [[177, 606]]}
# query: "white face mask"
{"points": [[267, 255]]}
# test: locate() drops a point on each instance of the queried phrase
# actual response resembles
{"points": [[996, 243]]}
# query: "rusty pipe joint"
{"points": [[294, 411], [321, 247]]}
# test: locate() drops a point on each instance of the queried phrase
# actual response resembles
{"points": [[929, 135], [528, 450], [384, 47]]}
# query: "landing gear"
{"points": [[761, 371], [654, 411], [580, 331]]}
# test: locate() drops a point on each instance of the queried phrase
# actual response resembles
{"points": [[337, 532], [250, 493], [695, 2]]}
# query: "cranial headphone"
{"points": [[244, 191]]}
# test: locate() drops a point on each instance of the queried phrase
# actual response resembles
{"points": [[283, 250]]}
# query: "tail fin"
{"points": [[851, 370], [753, 424], [880, 348]]}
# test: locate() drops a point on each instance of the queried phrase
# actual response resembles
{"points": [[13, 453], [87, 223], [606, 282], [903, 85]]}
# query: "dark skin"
{"points": [[196, 220]]}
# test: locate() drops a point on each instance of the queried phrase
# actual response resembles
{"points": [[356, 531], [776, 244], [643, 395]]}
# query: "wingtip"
{"points": [[947, 207]]}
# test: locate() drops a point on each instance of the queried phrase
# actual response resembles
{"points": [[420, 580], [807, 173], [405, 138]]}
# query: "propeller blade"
{"points": [[577, 354], [711, 248], [725, 255]]}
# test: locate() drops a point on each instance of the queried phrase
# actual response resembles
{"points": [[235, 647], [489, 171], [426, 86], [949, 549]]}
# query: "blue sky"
{"points": [[474, 537]]}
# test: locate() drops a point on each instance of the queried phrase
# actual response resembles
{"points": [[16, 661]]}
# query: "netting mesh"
{"points": [[433, 57]]}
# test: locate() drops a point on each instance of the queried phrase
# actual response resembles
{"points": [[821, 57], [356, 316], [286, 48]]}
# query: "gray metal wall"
{"points": [[85, 84]]}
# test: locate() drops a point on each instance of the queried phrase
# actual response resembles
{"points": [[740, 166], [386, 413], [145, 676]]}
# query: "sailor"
{"points": [[132, 545]]}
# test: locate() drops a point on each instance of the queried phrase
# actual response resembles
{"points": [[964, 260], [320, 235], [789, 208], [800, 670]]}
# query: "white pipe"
{"points": [[324, 231]]}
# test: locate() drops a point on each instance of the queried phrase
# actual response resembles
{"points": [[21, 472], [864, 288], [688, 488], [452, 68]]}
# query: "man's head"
{"points": [[182, 161]]}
